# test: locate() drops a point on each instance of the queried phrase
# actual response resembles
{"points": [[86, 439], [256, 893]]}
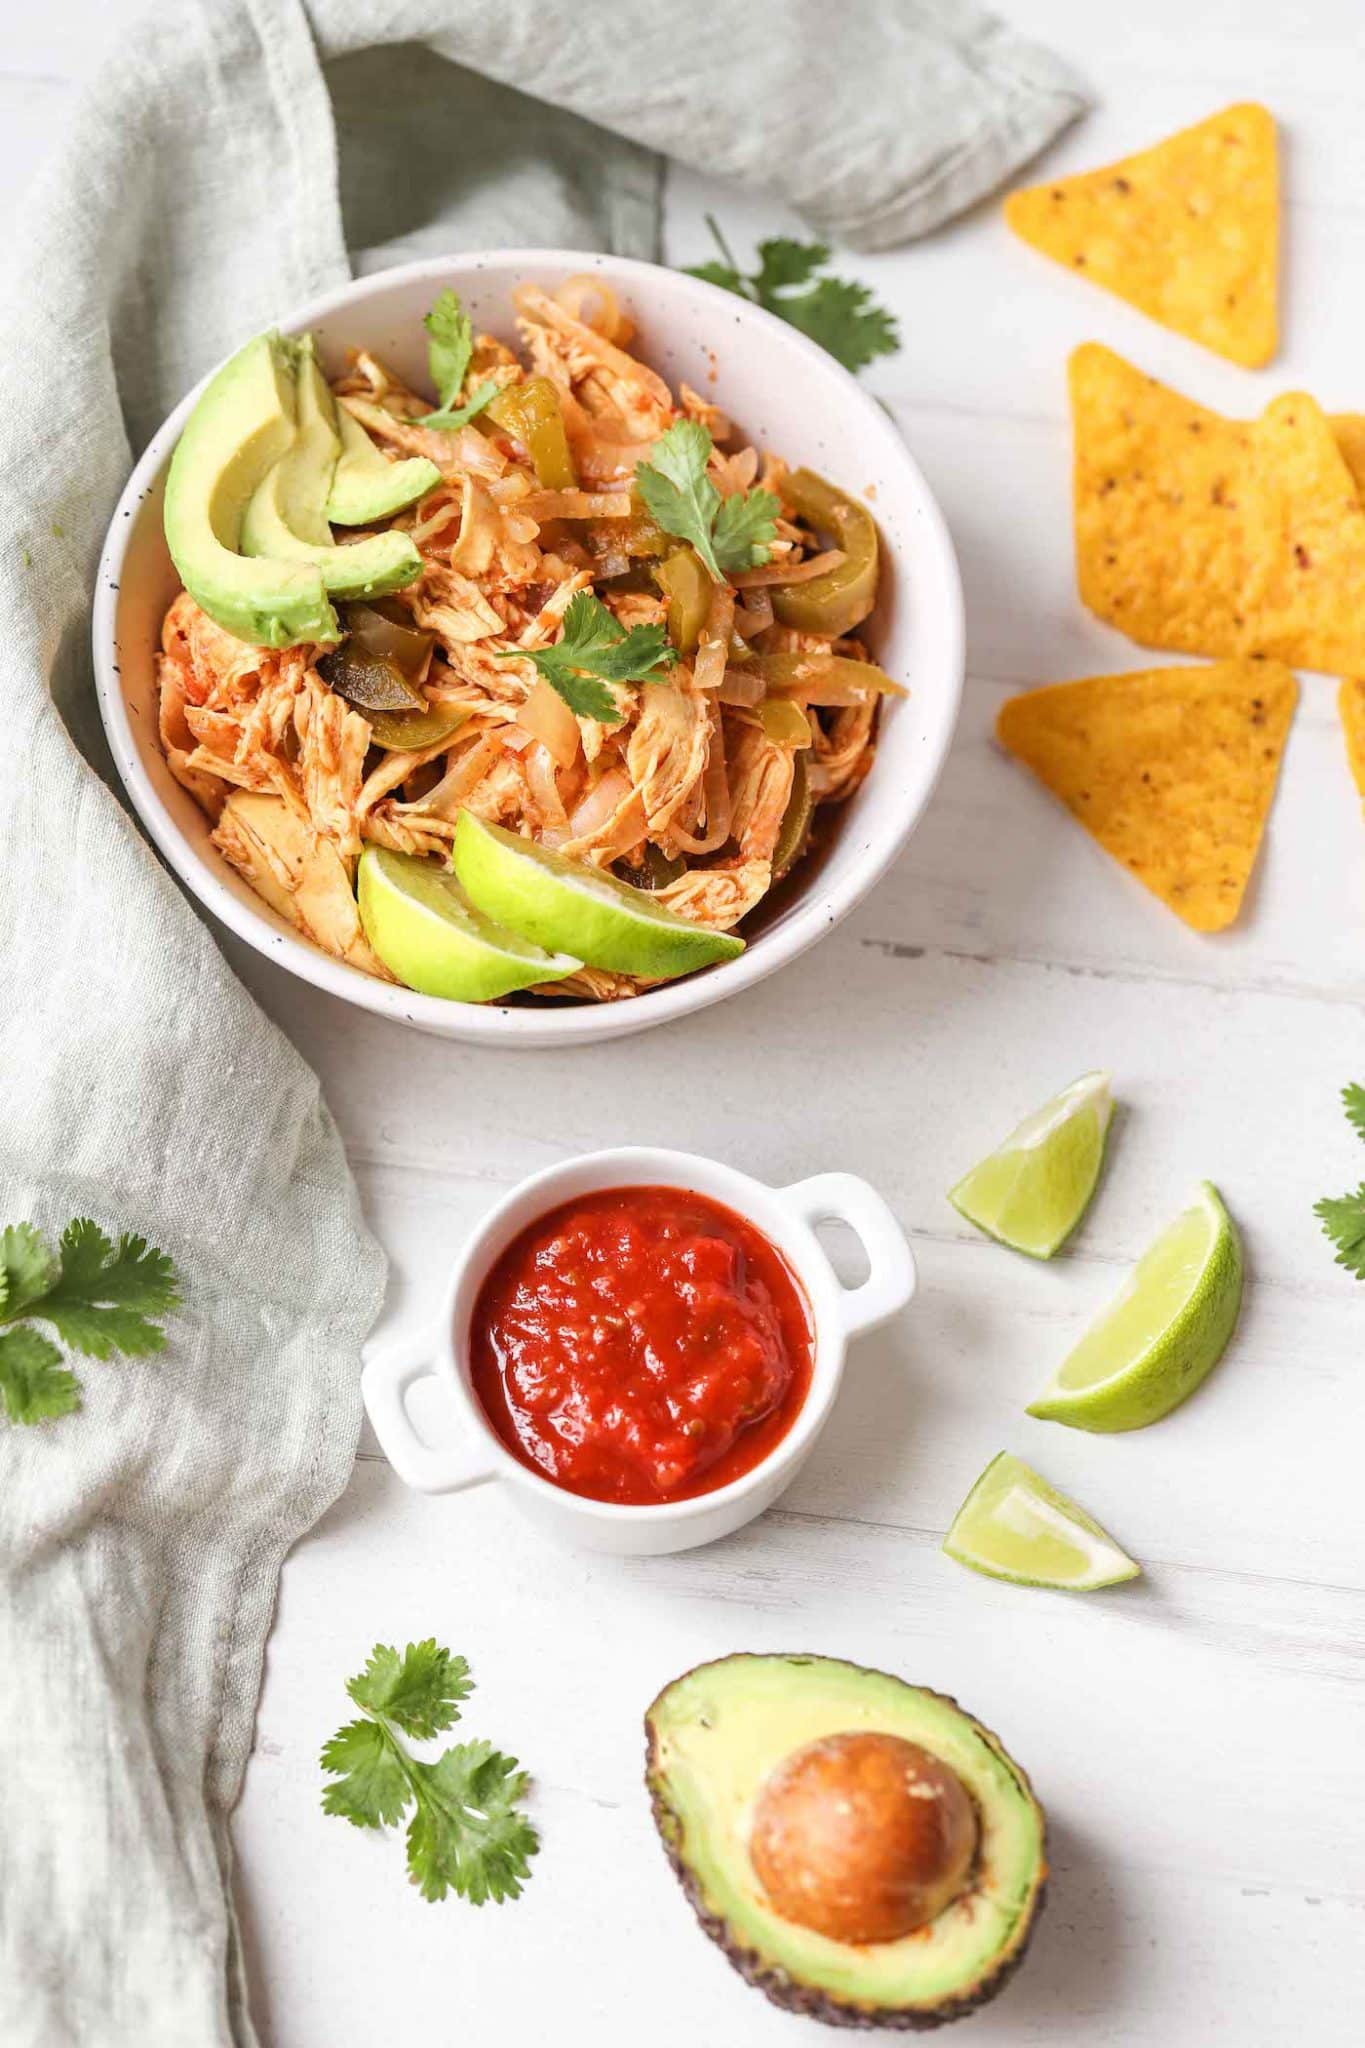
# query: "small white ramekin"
{"points": [[786, 1216]]}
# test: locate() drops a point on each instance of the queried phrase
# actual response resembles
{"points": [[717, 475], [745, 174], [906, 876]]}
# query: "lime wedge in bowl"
{"points": [[567, 906], [431, 937], [1033, 1191], [1164, 1331], [1014, 1526]]}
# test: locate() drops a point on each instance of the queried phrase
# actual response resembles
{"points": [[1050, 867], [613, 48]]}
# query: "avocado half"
{"points": [[713, 1739]]}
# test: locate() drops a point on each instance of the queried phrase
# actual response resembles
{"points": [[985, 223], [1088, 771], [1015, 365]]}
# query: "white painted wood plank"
{"points": [[1200, 1882]]}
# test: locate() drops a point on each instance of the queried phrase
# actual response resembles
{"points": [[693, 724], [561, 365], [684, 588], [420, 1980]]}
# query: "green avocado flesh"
{"points": [[240, 428], [286, 516], [366, 486], [715, 1736]]}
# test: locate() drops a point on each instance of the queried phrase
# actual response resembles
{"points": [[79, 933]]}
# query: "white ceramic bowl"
{"points": [[784, 392], [787, 1218]]}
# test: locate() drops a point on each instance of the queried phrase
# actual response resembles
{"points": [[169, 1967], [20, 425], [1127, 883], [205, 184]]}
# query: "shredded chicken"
{"points": [[686, 791]]}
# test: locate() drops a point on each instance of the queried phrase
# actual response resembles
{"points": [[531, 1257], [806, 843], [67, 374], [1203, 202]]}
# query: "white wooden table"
{"points": [[1198, 1738]]}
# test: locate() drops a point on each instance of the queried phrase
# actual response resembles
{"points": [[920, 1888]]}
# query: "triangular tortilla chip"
{"points": [[1188, 232], [1213, 536], [1159, 482], [1351, 706], [1348, 431], [1172, 769], [1306, 543]]}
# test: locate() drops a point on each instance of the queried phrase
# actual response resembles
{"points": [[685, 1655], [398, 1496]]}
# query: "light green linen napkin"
{"points": [[196, 198]]}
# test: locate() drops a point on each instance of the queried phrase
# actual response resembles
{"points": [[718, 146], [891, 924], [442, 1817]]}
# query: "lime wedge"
{"points": [[1014, 1526], [1162, 1334], [568, 905], [424, 930], [1033, 1192]]}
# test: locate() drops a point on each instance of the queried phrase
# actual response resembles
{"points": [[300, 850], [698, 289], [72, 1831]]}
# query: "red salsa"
{"points": [[641, 1345]]}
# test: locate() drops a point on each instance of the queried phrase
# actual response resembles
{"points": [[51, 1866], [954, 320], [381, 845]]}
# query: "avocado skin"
{"points": [[775, 1984]]}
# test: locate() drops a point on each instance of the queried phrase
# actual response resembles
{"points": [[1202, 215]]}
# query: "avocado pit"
{"points": [[863, 1837]]}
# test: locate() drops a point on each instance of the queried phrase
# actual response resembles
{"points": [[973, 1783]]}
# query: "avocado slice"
{"points": [[242, 424], [366, 486], [722, 1742], [286, 516]]}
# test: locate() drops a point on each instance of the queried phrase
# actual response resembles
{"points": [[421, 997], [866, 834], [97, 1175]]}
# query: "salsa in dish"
{"points": [[539, 688], [641, 1345]]}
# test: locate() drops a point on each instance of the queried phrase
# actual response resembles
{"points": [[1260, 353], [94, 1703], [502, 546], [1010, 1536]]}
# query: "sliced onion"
{"points": [[742, 688], [463, 775], [543, 505], [549, 720], [577, 293], [540, 780], [603, 459], [789, 572], [755, 617], [444, 502], [600, 804], [473, 551]]}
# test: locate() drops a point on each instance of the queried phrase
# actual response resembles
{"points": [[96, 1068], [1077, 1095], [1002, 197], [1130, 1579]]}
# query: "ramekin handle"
{"points": [[390, 1371], [890, 1282]]}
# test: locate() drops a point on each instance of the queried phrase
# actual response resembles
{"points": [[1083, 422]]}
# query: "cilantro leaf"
{"points": [[106, 1295], [840, 314], [1353, 1096], [419, 1691], [99, 1297], [1343, 1219], [27, 1267], [594, 650], [783, 264], [728, 534], [34, 1384], [746, 527], [450, 344], [722, 274], [467, 1833], [676, 490], [372, 1788], [844, 318], [483, 395]]}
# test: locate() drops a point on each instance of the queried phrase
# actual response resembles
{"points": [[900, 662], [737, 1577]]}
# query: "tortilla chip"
{"points": [[1348, 431], [1172, 770], [1213, 536], [1159, 489], [1351, 706], [1188, 232], [1306, 542]]}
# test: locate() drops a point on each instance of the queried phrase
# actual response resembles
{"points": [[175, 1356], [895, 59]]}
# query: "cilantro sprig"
{"points": [[100, 1297], [450, 344], [842, 316], [466, 1834], [1343, 1216], [730, 534], [595, 651]]}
